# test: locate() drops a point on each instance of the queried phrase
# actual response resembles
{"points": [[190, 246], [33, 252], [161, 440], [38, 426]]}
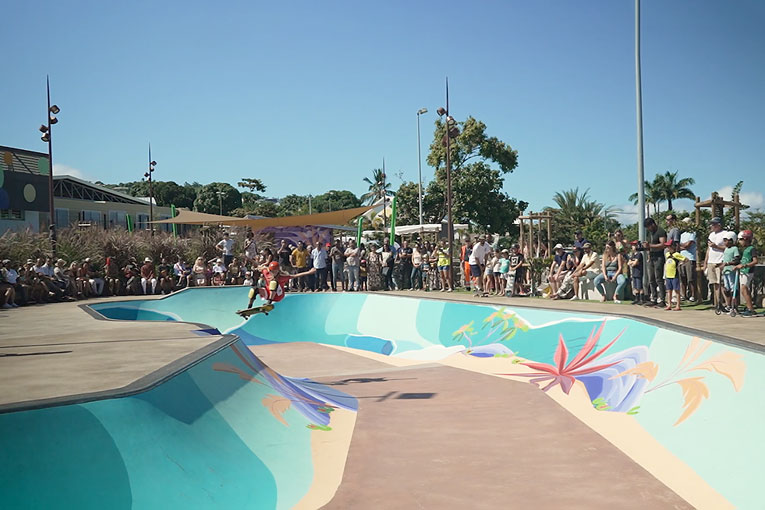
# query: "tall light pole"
{"points": [[385, 199], [47, 136], [220, 201], [452, 131], [152, 164], [639, 111], [419, 160]]}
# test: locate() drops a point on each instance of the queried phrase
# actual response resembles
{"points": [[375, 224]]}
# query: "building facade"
{"points": [[77, 203]]}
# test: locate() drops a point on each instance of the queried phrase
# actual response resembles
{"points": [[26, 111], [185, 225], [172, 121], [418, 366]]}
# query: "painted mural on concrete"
{"points": [[687, 402], [227, 433]]}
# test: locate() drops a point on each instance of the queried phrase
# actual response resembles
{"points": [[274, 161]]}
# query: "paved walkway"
{"points": [[743, 332], [56, 351]]}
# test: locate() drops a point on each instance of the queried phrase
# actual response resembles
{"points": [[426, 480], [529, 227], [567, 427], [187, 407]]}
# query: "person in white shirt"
{"points": [[352, 259], [477, 263], [226, 246], [715, 248], [219, 272]]}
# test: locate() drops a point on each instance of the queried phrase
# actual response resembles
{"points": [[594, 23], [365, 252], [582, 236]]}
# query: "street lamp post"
{"points": [[419, 160], [152, 164], [220, 201], [639, 111], [47, 136], [385, 199], [452, 131]]}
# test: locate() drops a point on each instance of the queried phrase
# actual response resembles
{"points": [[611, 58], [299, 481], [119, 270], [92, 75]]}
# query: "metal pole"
{"points": [[449, 218], [419, 166], [310, 208], [385, 199], [151, 196], [220, 203], [51, 206], [639, 111]]}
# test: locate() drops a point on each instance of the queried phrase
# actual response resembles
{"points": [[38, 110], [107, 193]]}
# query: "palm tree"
{"points": [[579, 208], [672, 189], [652, 196], [378, 187]]}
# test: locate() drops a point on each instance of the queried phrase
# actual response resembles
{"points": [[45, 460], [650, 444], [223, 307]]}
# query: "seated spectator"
{"points": [[199, 273], [112, 273], [611, 271], [94, 279], [557, 269], [148, 280], [218, 273], [61, 277], [7, 290], [234, 273], [132, 277], [11, 276], [44, 270], [165, 272], [35, 289], [182, 273], [587, 270]]}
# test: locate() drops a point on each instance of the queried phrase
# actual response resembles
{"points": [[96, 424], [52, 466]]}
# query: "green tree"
{"points": [[479, 163], [652, 197], [252, 184], [335, 200], [379, 185], [671, 188], [168, 193], [265, 208], [209, 201], [293, 205], [577, 211], [407, 204]]}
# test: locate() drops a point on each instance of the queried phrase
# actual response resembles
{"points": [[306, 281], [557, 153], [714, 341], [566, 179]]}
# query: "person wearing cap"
{"points": [[226, 247], [147, 277], [748, 262], [671, 279], [673, 230], [579, 241], [587, 270], [10, 275], [477, 262], [635, 264], [654, 264], [7, 290], [731, 259], [557, 267], [688, 267], [714, 256], [218, 272]]}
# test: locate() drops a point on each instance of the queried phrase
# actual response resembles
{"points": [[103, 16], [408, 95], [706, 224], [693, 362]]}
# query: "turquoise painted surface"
{"points": [[203, 439], [720, 439]]}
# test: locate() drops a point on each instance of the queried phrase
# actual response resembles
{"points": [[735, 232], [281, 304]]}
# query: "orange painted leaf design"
{"points": [[697, 345], [225, 367], [694, 392], [277, 405], [645, 370], [726, 363]]}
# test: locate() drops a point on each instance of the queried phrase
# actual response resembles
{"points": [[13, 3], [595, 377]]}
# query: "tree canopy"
{"points": [[335, 200], [379, 185], [208, 200]]}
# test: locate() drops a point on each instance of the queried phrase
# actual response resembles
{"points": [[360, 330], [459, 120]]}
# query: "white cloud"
{"points": [[59, 169], [628, 214], [753, 199]]}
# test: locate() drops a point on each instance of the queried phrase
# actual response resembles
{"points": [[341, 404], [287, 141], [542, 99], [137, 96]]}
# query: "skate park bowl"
{"points": [[683, 405]]}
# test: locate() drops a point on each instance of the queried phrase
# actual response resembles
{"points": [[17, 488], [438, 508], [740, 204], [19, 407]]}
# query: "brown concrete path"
{"points": [[59, 351], [436, 437], [743, 332]]}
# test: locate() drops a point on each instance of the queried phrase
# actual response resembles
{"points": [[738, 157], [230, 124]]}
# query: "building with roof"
{"points": [[77, 202]]}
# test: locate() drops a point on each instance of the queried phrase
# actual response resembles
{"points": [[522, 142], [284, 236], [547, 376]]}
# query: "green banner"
{"points": [[129, 223], [393, 222], [358, 231], [174, 213]]}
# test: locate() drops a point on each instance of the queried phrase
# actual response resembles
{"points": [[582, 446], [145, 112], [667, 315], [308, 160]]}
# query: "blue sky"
{"points": [[311, 96]]}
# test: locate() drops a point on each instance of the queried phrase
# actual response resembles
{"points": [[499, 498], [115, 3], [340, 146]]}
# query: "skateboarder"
{"points": [[272, 283]]}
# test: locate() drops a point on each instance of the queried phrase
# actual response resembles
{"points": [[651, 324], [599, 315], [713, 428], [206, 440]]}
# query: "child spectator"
{"points": [[504, 269], [671, 279], [497, 274], [636, 269], [748, 261], [731, 259], [516, 271]]}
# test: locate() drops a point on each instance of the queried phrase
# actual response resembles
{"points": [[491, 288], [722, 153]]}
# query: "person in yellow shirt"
{"points": [[671, 280], [299, 260]]}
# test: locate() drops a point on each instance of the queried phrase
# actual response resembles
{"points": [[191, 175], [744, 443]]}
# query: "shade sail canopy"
{"points": [[329, 218], [198, 218]]}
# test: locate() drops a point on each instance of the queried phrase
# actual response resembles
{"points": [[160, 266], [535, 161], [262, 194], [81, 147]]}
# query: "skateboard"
{"points": [[247, 312]]}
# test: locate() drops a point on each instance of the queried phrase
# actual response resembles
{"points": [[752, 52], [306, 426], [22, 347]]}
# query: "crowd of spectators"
{"points": [[660, 272]]}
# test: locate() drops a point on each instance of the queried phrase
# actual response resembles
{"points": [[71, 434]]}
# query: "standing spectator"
{"points": [[465, 252], [714, 256], [477, 262], [148, 280], [352, 259], [319, 261], [748, 261], [374, 270], [673, 232], [299, 260], [387, 256], [657, 238], [283, 255], [611, 271], [337, 254], [250, 248], [417, 266], [442, 253], [731, 259], [226, 246], [580, 241], [165, 271], [516, 272], [363, 268], [688, 266], [636, 270], [405, 261], [587, 270], [671, 280]]}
